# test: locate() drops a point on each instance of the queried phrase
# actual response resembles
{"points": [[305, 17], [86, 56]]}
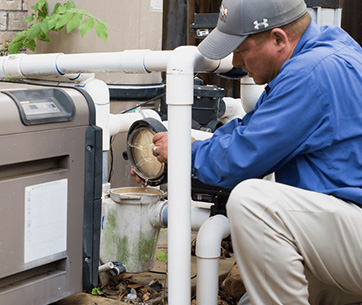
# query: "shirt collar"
{"points": [[312, 31]]}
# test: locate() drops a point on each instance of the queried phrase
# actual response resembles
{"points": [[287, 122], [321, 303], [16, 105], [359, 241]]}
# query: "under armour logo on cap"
{"points": [[259, 24], [223, 12]]}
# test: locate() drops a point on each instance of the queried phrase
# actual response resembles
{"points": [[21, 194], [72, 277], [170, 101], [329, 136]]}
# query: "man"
{"points": [[297, 240]]}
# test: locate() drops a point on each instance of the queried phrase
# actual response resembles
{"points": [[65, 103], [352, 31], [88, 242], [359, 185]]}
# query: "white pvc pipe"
{"points": [[208, 243], [157, 60], [122, 122], [99, 92], [105, 267], [233, 109], [129, 61], [249, 93], [179, 98], [196, 134], [198, 217], [179, 209], [158, 216]]}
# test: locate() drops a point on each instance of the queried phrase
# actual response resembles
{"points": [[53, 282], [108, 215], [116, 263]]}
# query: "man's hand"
{"points": [[160, 149], [138, 179]]}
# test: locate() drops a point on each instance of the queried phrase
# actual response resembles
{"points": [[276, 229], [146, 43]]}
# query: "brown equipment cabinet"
{"points": [[50, 193]]}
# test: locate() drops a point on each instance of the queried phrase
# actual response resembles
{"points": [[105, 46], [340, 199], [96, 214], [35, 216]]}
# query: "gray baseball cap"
{"points": [[240, 18]]}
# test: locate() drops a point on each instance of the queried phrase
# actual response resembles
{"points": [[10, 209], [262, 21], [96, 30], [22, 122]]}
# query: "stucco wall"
{"points": [[135, 24]]}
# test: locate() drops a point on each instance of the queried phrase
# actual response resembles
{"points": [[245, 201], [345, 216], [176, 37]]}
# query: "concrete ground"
{"points": [[157, 273]]}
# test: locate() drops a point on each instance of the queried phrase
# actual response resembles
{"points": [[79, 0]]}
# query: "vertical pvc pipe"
{"points": [[179, 208], [207, 281], [208, 242], [179, 97], [249, 93]]}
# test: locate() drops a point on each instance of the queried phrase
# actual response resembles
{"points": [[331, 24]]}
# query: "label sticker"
{"points": [[156, 5], [45, 219]]}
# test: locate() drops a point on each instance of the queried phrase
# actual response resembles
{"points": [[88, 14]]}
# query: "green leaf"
{"points": [[69, 4], [161, 256], [42, 3], [63, 20], [101, 31], [62, 15], [30, 44], [96, 291], [52, 21], [33, 31], [35, 7], [19, 37], [55, 10], [44, 26], [62, 9], [14, 47], [74, 22], [43, 10], [29, 18], [43, 37], [86, 26]]}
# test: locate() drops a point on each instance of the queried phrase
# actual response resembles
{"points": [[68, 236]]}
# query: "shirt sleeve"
{"points": [[290, 119]]}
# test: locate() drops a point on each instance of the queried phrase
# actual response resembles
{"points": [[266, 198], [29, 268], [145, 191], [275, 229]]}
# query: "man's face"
{"points": [[258, 57]]}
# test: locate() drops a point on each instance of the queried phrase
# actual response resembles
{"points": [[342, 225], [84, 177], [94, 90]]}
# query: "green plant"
{"points": [[96, 291], [63, 15], [161, 256]]}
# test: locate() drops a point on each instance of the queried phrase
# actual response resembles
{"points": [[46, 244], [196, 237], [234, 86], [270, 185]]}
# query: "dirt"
{"points": [[149, 288]]}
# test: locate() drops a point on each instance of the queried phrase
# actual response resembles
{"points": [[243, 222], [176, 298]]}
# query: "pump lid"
{"points": [[139, 151]]}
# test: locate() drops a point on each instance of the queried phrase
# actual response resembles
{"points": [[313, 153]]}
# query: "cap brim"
{"points": [[218, 45]]}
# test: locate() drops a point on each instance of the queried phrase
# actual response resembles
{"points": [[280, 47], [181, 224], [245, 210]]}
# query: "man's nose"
{"points": [[237, 60]]}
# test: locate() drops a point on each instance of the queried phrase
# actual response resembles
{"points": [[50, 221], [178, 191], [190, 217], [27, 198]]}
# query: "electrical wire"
{"points": [[145, 103]]}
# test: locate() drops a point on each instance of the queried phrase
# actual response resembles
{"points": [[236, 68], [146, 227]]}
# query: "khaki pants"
{"points": [[294, 246]]}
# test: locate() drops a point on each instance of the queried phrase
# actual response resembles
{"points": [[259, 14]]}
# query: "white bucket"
{"points": [[127, 234]]}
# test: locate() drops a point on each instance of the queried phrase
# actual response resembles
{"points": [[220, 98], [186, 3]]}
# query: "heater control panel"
{"points": [[41, 106]]}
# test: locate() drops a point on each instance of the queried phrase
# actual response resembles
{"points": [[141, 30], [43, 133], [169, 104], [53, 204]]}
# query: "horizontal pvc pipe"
{"points": [[225, 65], [126, 61], [198, 217], [196, 134], [105, 267], [157, 60], [159, 217], [233, 109], [156, 214], [129, 61], [123, 121], [23, 65]]}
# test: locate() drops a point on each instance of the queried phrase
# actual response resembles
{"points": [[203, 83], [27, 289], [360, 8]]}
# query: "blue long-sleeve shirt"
{"points": [[306, 126]]}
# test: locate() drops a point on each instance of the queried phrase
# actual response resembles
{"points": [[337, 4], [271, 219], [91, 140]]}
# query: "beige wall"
{"points": [[133, 24]]}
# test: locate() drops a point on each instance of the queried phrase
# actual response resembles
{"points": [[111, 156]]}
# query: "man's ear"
{"points": [[279, 37]]}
